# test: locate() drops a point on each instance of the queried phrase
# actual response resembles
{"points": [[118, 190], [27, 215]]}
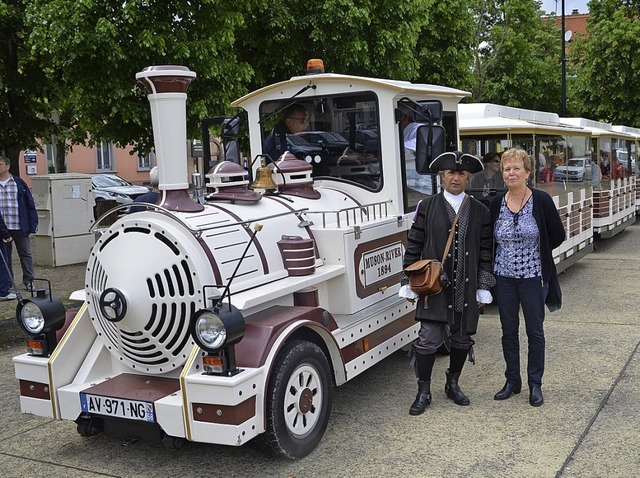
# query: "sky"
{"points": [[550, 6]]}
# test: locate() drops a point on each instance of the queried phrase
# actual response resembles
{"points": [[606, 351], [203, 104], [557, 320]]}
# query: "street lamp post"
{"points": [[563, 60]]}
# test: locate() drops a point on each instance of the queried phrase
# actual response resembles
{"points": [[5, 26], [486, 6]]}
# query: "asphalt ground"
{"points": [[589, 425]]}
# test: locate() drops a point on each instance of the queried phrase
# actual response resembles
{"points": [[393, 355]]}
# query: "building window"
{"points": [[104, 153], [50, 155], [145, 162]]}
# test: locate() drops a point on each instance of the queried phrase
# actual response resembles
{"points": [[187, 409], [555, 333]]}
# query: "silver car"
{"points": [[111, 187], [576, 169]]}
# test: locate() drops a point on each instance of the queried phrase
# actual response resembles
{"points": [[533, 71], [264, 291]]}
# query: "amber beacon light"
{"points": [[315, 66]]}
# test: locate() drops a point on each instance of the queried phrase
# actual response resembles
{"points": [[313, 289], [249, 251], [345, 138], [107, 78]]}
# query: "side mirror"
{"points": [[431, 110], [430, 143]]}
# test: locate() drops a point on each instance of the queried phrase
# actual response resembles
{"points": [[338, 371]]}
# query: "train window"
{"points": [[338, 135]]}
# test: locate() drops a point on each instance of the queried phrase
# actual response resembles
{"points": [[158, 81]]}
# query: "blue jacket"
{"points": [[26, 208]]}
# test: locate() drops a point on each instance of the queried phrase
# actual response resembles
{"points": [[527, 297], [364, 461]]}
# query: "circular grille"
{"points": [[152, 268]]}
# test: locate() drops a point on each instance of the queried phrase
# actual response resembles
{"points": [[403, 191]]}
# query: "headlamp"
{"points": [[216, 331], [215, 328], [41, 316]]}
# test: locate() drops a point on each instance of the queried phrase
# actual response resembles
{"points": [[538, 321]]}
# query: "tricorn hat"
{"points": [[456, 161]]}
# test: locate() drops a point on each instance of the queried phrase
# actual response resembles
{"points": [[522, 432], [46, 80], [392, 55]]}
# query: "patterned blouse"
{"points": [[517, 236]]}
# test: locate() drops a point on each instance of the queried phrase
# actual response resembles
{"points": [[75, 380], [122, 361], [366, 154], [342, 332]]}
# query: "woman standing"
{"points": [[527, 227]]}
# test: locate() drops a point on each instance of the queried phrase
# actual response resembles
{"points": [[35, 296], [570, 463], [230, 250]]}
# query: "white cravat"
{"points": [[454, 200]]}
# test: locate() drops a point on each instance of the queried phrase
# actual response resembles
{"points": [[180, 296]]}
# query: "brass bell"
{"points": [[264, 179]]}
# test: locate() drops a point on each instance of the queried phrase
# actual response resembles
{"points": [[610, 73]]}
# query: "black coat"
{"points": [[427, 240]]}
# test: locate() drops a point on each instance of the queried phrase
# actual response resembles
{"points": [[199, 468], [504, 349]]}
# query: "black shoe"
{"points": [[452, 390], [508, 390], [535, 396], [423, 398]]}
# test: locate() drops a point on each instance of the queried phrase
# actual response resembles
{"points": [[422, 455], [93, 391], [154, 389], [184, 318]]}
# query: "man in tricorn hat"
{"points": [[451, 316]]}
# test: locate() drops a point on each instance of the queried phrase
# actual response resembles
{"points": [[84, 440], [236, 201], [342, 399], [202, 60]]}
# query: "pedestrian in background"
{"points": [[452, 314], [152, 196], [527, 227], [21, 218]]}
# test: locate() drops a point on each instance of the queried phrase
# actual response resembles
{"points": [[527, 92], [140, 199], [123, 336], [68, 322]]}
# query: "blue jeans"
{"points": [[530, 294]]}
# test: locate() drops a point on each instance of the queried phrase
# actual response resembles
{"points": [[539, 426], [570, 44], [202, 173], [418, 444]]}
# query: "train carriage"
{"points": [[614, 196], [561, 159]]}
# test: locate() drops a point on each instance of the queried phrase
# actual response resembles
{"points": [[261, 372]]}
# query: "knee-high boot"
{"points": [[424, 365], [452, 389]]}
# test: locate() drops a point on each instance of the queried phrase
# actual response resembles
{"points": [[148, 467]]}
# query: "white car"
{"points": [[576, 169], [111, 187]]}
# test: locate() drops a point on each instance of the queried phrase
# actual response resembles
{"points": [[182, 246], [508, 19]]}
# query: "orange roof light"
{"points": [[315, 66]]}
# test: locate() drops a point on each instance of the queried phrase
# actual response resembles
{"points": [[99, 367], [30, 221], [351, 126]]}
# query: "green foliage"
{"points": [[446, 44], [360, 37], [95, 48], [68, 66], [607, 63], [521, 55], [24, 114]]}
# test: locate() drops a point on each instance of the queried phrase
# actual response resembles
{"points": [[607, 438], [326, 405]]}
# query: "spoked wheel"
{"points": [[298, 400]]}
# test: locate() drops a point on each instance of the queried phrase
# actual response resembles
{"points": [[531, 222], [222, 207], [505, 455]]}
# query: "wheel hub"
{"points": [[306, 400]]}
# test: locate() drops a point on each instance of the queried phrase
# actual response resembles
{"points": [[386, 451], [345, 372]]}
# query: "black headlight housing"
{"points": [[216, 330], [41, 316]]}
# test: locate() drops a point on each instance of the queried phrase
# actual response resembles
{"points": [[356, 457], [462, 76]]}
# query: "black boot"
{"points": [[456, 363], [508, 390], [452, 389], [423, 398], [535, 396]]}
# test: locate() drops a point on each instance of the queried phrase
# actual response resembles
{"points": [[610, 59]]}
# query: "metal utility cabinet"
{"points": [[65, 213]]}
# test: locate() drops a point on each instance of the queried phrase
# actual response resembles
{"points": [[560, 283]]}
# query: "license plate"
{"points": [[118, 407]]}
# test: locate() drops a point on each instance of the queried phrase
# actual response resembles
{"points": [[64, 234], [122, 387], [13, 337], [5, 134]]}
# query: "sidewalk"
{"points": [[588, 426]]}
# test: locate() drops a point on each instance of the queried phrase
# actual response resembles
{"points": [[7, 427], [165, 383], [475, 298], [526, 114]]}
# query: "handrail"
{"points": [[197, 232], [368, 210]]}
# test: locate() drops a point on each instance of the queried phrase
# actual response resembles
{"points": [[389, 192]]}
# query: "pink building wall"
{"points": [[84, 160]]}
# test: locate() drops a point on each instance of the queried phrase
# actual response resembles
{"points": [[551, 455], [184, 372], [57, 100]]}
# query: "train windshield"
{"points": [[338, 135]]}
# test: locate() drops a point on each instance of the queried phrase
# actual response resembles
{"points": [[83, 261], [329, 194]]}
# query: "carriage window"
{"points": [[337, 135]]}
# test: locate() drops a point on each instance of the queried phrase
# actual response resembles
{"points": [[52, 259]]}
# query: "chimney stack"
{"points": [[167, 93]]}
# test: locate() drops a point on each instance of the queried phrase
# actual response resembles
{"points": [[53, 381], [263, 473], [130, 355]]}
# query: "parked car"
{"points": [[576, 169], [367, 137], [302, 149], [111, 187], [332, 142]]}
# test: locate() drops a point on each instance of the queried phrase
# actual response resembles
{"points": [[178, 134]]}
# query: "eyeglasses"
{"points": [[301, 120]]}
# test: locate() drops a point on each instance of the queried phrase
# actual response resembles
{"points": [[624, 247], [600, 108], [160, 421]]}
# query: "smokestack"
{"points": [[167, 93]]}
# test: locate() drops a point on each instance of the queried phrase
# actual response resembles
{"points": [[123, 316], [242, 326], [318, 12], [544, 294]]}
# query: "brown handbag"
{"points": [[424, 275]]}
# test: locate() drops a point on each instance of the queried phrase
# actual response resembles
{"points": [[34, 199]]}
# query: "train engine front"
{"points": [[151, 354]]}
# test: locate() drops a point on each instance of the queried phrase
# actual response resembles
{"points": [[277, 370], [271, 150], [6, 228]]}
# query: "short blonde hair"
{"points": [[515, 154]]}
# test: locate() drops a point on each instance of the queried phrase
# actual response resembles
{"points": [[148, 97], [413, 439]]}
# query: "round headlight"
{"points": [[210, 330], [32, 318]]}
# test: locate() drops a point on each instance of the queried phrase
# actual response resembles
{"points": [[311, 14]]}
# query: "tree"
{"points": [[607, 63], [359, 37], [94, 48], [446, 43], [518, 59], [23, 87]]}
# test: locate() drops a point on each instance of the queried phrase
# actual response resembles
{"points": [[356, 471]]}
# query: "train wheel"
{"points": [[173, 443], [87, 427], [298, 400]]}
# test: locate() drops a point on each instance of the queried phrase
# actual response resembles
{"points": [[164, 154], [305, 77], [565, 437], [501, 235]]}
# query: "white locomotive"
{"points": [[232, 317]]}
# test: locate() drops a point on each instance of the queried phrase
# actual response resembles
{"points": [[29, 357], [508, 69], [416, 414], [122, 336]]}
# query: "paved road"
{"points": [[588, 427]]}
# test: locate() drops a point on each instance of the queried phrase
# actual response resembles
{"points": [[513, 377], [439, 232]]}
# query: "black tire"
{"points": [[298, 400], [87, 427]]}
